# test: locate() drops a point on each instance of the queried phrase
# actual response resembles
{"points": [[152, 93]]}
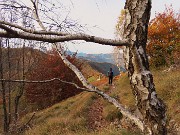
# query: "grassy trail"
{"points": [[89, 114]]}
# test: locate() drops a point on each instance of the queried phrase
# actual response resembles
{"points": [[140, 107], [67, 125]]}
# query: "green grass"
{"points": [[91, 79], [106, 88]]}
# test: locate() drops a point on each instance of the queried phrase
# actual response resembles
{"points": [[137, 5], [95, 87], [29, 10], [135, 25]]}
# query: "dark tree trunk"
{"points": [[141, 79], [9, 83], [5, 113], [21, 85]]}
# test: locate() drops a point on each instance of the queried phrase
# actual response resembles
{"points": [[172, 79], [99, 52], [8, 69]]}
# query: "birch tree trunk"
{"points": [[141, 79], [135, 38]]}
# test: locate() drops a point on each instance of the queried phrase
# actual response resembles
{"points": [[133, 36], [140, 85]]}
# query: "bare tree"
{"points": [[9, 83], [3, 91], [15, 63], [118, 57], [137, 13], [21, 85]]}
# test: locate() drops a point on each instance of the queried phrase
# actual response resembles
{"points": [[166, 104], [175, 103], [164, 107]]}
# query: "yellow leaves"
{"points": [[120, 23]]}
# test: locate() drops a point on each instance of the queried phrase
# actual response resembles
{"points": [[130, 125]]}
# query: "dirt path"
{"points": [[95, 114], [95, 118]]}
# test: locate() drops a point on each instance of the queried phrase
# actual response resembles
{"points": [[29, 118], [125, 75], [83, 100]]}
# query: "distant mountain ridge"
{"points": [[101, 62], [97, 57], [104, 67], [101, 57]]}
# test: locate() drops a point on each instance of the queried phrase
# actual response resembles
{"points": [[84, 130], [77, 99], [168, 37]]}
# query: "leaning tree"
{"points": [[47, 28]]}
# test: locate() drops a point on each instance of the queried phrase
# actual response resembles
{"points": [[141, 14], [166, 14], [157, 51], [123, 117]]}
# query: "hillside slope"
{"points": [[93, 70], [71, 116]]}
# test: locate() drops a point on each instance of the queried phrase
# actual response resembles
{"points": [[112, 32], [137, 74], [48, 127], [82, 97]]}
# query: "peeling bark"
{"points": [[141, 79]]}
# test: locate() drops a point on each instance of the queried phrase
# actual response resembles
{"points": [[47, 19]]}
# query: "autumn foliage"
{"points": [[46, 94], [164, 38]]}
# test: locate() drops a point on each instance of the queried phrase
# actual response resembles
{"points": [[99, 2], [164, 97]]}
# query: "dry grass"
{"points": [[69, 117], [168, 88], [123, 92]]}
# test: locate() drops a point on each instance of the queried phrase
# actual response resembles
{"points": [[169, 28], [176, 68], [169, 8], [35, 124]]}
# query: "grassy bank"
{"points": [[70, 117]]}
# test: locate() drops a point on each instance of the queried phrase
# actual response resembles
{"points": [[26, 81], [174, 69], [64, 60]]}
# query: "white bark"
{"points": [[136, 27], [91, 88], [88, 88], [54, 37], [137, 17]]}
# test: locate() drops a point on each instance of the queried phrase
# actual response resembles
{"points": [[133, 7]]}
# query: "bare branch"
{"points": [[44, 81], [55, 38], [9, 30], [27, 123], [90, 88], [32, 30], [35, 6]]}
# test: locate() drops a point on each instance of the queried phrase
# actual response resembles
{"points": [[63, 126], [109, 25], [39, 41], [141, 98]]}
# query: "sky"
{"points": [[100, 18], [103, 14]]}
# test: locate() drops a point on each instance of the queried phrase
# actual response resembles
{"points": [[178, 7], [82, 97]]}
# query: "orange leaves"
{"points": [[51, 66], [164, 36]]}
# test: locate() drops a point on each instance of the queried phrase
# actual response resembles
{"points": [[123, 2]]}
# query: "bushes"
{"points": [[163, 36], [46, 94]]}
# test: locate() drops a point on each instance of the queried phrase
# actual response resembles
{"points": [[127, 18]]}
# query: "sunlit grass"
{"points": [[70, 116], [123, 92], [168, 89], [91, 79]]}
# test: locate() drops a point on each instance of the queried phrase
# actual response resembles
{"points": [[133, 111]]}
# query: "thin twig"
{"points": [[20, 129]]}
